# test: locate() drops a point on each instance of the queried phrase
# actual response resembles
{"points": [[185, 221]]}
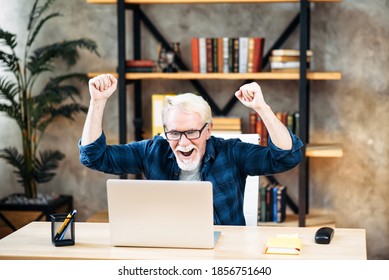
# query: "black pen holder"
{"points": [[62, 230]]}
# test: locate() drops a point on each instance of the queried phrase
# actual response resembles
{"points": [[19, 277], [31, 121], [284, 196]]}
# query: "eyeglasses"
{"points": [[174, 135]]}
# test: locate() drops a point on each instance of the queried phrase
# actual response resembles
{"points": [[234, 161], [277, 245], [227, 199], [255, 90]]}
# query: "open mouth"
{"points": [[187, 154]]}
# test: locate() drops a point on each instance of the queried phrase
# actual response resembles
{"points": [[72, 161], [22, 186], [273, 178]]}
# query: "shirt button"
{"points": [[176, 174]]}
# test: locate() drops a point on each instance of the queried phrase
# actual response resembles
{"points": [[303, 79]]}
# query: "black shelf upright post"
{"points": [[121, 74], [138, 118], [304, 110]]}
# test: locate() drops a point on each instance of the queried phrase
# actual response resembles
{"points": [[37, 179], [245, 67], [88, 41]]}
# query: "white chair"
{"points": [[250, 203]]}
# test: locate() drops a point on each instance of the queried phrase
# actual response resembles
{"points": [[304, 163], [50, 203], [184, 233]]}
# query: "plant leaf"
{"points": [[37, 11], [34, 33], [8, 38], [8, 90], [42, 58], [45, 163], [12, 156]]}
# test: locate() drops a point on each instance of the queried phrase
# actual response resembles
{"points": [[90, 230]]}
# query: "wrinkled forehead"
{"points": [[182, 119]]}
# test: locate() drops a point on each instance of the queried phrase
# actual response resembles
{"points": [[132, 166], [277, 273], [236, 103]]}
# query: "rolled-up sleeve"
{"points": [[291, 157], [92, 152]]}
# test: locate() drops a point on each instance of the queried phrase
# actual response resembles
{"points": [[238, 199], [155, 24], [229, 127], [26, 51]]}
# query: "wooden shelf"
{"points": [[315, 219], [228, 76], [200, 1], [324, 150], [312, 220]]}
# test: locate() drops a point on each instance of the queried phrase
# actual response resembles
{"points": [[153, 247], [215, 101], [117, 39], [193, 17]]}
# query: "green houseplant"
{"points": [[34, 109]]}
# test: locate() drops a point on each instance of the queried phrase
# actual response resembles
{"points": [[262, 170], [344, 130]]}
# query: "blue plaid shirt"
{"points": [[226, 164]]}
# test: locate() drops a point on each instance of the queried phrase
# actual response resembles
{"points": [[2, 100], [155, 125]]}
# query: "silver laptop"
{"points": [[152, 213]]}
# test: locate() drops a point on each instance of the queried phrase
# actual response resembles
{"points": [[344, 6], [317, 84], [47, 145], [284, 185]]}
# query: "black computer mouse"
{"points": [[324, 235]]}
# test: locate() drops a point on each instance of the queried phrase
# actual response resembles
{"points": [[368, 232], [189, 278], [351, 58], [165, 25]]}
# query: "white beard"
{"points": [[188, 164]]}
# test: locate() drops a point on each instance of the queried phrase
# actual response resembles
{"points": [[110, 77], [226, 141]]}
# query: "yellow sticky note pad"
{"points": [[283, 245]]}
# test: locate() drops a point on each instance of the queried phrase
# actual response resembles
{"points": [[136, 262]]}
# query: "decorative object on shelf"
{"points": [[167, 57], [35, 108]]}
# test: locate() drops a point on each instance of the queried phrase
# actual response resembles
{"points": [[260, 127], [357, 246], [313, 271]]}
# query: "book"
{"points": [[227, 120], [289, 52], [225, 55], [202, 55], [250, 59], [279, 214], [157, 101], [139, 69], [253, 122], [259, 44], [235, 51], [285, 64], [209, 54], [243, 54], [215, 55], [139, 63], [286, 245], [220, 55], [195, 55], [262, 203], [284, 58]]}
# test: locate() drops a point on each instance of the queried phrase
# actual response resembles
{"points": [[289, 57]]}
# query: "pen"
{"points": [[61, 232]]}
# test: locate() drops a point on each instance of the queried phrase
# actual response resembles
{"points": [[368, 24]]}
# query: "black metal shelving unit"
{"points": [[301, 20]]}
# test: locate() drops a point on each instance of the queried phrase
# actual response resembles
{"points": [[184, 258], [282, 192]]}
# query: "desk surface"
{"points": [[92, 242]]}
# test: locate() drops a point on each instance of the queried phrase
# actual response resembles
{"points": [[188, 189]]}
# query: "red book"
{"points": [[140, 63], [258, 53], [253, 122], [264, 134], [195, 55]]}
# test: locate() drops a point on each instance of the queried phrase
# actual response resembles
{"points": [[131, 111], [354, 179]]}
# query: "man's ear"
{"points": [[209, 130]]}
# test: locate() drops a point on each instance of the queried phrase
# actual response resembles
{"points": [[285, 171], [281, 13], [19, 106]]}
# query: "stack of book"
{"points": [[256, 125], [287, 60], [227, 125], [157, 103], [272, 203], [142, 65], [227, 55]]}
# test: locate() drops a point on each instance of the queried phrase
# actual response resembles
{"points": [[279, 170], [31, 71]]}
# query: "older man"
{"points": [[188, 151]]}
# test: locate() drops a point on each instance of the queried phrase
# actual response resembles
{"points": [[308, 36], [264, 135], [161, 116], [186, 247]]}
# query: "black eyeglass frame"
{"points": [[199, 131]]}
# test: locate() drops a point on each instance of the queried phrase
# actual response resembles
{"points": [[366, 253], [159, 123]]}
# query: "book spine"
{"points": [[195, 55], [139, 63], [243, 54], [215, 56], [225, 55], [230, 55], [264, 134], [250, 59], [281, 204], [208, 44], [202, 55], [253, 122], [236, 55], [220, 54], [261, 42], [139, 69], [262, 203], [296, 124], [269, 214], [257, 59], [274, 203]]}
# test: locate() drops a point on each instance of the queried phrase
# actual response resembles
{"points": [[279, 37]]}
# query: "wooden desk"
{"points": [[92, 242]]}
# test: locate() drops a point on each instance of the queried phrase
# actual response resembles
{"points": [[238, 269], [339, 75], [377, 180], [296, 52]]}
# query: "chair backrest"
{"points": [[250, 203]]}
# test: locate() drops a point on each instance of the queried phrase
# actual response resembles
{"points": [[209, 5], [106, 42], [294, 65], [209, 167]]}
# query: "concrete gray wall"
{"points": [[350, 37]]}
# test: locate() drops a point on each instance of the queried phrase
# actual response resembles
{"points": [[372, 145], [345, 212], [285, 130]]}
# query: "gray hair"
{"points": [[188, 102]]}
